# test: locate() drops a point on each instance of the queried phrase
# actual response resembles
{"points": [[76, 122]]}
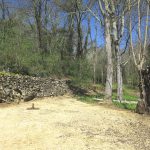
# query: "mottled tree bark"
{"points": [[144, 88], [116, 42], [108, 88], [119, 78]]}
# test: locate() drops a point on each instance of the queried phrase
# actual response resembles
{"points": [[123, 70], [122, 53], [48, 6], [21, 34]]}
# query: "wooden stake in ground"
{"points": [[32, 107]]}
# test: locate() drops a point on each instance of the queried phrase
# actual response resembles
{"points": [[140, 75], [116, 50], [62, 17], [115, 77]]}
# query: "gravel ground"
{"points": [[63, 123]]}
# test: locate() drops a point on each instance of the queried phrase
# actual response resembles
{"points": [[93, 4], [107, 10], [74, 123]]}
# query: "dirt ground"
{"points": [[63, 123]]}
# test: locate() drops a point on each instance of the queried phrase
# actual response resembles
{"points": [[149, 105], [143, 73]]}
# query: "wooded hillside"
{"points": [[88, 41]]}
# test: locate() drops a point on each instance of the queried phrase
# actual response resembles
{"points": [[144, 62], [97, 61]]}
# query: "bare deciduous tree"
{"points": [[140, 58]]}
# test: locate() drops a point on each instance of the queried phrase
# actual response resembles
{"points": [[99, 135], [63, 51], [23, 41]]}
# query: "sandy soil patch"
{"points": [[63, 123]]}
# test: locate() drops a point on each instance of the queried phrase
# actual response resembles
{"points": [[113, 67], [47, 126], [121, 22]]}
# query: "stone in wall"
{"points": [[16, 88]]}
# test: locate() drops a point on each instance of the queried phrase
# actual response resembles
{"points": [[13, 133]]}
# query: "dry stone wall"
{"points": [[16, 88]]}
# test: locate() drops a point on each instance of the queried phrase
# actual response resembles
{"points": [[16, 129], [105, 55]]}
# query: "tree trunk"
{"points": [[119, 78], [94, 65], [38, 15], [3, 10], [3, 18], [38, 21], [116, 43], [70, 34], [79, 45], [143, 105], [108, 88]]}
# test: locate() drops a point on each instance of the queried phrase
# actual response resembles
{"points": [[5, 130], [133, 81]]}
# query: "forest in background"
{"points": [[89, 41]]}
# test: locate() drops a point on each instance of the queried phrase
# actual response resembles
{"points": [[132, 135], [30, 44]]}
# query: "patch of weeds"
{"points": [[125, 105], [126, 97], [7, 74], [128, 94], [89, 98], [130, 97]]}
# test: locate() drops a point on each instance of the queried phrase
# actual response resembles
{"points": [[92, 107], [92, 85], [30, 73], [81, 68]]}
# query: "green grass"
{"points": [[89, 98], [130, 97], [125, 105], [6, 73], [126, 97], [129, 94]]}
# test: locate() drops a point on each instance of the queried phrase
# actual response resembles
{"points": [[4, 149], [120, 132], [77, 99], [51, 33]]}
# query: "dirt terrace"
{"points": [[63, 123]]}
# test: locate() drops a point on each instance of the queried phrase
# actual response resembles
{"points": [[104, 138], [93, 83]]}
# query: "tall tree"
{"points": [[37, 5], [76, 10], [140, 58], [119, 8], [106, 13]]}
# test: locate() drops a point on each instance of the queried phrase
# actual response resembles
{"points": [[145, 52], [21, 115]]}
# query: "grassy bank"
{"points": [[130, 94]]}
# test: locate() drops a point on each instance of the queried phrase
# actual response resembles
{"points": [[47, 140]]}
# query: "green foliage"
{"points": [[81, 72], [19, 53]]}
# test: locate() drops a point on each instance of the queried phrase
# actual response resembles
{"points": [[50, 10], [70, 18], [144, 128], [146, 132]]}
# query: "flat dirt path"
{"points": [[63, 123]]}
